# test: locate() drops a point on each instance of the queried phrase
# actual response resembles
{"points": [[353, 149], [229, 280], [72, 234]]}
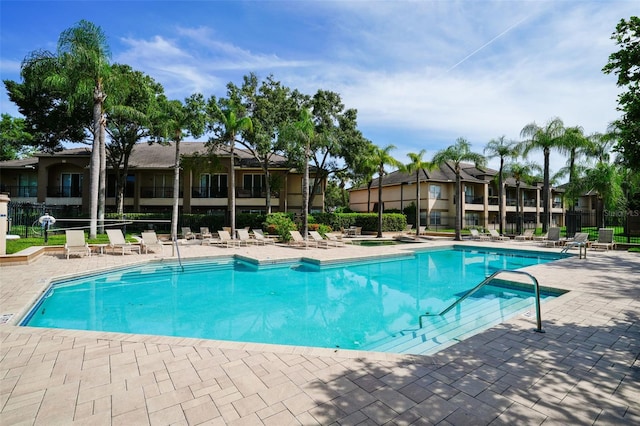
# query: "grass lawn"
{"points": [[14, 246]]}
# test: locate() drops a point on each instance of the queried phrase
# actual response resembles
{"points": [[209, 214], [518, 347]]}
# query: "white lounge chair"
{"points": [[224, 238], [117, 241], [151, 242], [475, 235], [244, 237], [76, 244], [553, 238], [605, 240], [205, 233], [581, 239], [495, 236], [187, 234], [320, 242], [298, 240], [526, 235], [259, 236]]}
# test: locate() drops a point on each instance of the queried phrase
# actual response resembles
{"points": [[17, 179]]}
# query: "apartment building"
{"points": [[480, 201], [62, 179]]}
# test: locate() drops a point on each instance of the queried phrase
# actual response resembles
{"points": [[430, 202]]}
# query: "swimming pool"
{"points": [[371, 304]]}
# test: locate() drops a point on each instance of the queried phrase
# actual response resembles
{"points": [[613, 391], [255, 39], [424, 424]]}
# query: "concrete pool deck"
{"points": [[584, 370]]}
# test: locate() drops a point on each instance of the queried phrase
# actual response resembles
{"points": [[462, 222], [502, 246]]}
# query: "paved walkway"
{"points": [[584, 370]]}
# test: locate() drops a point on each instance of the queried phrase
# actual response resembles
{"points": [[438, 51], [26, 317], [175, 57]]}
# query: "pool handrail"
{"points": [[536, 287]]}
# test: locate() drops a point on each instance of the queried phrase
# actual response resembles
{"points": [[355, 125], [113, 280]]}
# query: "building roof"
{"points": [[446, 173], [154, 156]]}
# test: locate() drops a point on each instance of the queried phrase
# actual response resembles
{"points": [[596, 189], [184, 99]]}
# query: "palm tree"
{"points": [[456, 154], [232, 124], [177, 121], [417, 165], [521, 172], [543, 139], [77, 73], [382, 157], [575, 145], [502, 149]]}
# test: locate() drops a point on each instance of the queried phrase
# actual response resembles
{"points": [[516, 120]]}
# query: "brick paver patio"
{"points": [[584, 370]]}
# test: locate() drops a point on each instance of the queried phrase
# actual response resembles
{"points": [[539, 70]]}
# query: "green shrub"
{"points": [[280, 224]]}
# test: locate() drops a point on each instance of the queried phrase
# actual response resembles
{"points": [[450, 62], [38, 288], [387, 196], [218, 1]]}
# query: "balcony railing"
{"points": [[471, 199], [209, 193], [17, 191], [157, 192], [64, 191]]}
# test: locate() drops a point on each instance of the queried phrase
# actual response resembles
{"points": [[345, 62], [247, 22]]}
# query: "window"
{"points": [[254, 185], [435, 218], [471, 219], [71, 185], [212, 186], [435, 192], [27, 185]]}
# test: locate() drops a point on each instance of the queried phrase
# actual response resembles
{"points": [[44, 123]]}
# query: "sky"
{"points": [[420, 73]]}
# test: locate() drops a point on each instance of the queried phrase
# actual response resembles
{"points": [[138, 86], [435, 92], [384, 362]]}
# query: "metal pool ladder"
{"points": [[536, 287]]}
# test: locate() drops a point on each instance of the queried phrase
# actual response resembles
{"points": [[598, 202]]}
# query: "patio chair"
{"points": [[187, 234], [475, 235], [605, 240], [224, 238], [320, 242], [581, 239], [553, 238], [495, 236], [259, 236], [76, 244], [244, 237], [299, 241], [205, 233], [151, 242], [526, 235], [336, 240], [117, 241]]}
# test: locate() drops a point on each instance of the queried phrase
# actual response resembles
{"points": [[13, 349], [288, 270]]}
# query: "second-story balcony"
{"points": [[472, 199], [157, 192], [20, 191], [64, 191], [209, 192]]}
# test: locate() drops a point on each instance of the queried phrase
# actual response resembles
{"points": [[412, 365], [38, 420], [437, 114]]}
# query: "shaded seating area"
{"points": [[605, 240], [76, 243], [151, 242], [118, 242]]}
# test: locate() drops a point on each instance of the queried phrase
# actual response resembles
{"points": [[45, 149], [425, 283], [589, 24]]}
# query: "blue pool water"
{"points": [[368, 304]]}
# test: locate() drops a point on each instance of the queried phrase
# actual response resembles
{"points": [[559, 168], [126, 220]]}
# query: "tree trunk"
{"points": [[305, 194], [95, 167], [546, 199], [267, 189], [176, 192], [380, 204], [458, 227], [500, 196], [102, 192], [232, 193], [418, 204]]}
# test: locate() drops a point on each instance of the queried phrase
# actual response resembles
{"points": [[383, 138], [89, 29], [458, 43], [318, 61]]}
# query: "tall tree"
{"points": [[575, 145], [270, 105], [417, 165], [226, 121], [14, 140], [133, 108], [455, 155], [300, 135], [175, 122], [382, 157], [503, 149], [625, 63], [71, 79], [545, 138], [521, 172]]}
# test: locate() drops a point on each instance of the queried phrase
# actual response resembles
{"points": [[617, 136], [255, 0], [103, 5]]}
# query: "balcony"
{"points": [[17, 191], [157, 192], [209, 193], [471, 199], [64, 191]]}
